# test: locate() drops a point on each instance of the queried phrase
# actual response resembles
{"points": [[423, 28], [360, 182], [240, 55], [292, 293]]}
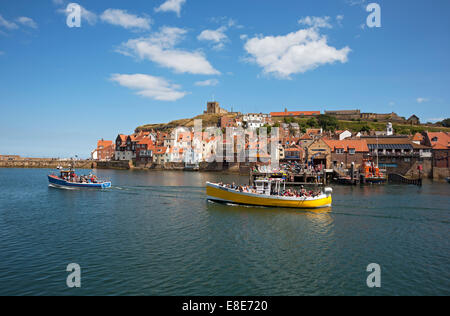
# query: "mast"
{"points": [[377, 151]]}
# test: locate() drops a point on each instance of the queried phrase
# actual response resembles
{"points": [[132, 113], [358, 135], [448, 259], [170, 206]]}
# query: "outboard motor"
{"points": [[328, 191]]}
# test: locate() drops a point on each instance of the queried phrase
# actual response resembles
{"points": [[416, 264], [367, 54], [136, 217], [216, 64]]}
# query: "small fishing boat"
{"points": [[448, 179], [69, 179], [266, 192]]}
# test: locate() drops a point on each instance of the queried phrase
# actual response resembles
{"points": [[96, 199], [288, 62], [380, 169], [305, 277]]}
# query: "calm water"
{"points": [[155, 234]]}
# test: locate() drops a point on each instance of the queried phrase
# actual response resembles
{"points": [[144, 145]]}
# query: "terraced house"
{"points": [[346, 152]]}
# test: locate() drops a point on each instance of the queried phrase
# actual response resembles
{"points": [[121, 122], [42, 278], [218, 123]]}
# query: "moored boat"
{"points": [[371, 173], [267, 192], [448, 179], [68, 179]]}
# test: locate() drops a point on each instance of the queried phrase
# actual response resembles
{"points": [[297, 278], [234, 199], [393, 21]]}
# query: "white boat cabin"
{"points": [[269, 186]]}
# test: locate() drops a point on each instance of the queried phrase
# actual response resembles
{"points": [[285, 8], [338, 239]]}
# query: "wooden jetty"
{"points": [[397, 178]]}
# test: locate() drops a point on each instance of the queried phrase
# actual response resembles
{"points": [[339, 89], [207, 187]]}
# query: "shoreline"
{"points": [[437, 174], [49, 163]]}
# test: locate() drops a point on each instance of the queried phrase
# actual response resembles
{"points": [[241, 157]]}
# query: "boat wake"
{"points": [[62, 187]]}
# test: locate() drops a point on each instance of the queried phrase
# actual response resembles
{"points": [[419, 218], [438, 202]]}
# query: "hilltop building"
{"points": [[296, 114], [214, 108], [345, 114], [357, 115], [413, 120]]}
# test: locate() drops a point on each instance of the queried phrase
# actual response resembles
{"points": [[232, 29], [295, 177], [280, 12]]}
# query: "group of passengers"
{"points": [[289, 192], [240, 188], [72, 177], [301, 193]]}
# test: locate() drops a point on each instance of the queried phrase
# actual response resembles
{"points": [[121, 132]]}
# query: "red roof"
{"points": [[358, 145], [146, 141], [439, 140], [104, 143], [295, 113], [418, 137], [306, 136], [314, 131], [294, 148]]}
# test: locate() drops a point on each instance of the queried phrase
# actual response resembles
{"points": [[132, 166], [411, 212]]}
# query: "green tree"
{"points": [[312, 122], [365, 128], [327, 122], [446, 122]]}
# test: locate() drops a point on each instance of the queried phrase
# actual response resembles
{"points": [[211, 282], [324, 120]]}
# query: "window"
{"points": [[351, 151], [339, 150]]}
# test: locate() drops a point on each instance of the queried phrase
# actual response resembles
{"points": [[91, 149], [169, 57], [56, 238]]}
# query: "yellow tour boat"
{"points": [[266, 192]]}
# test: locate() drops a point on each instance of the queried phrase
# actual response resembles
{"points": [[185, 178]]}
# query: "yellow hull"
{"points": [[221, 194]]}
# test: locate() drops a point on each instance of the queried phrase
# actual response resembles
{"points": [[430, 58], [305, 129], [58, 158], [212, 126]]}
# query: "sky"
{"points": [[137, 62]]}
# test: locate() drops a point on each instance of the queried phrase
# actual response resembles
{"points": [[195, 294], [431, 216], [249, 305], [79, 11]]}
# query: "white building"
{"points": [[345, 134], [256, 120], [389, 129]]}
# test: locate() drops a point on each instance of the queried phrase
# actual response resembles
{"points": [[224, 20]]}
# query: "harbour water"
{"points": [[155, 234]]}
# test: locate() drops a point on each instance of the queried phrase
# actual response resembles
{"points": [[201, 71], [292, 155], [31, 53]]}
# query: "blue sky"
{"points": [[137, 62]]}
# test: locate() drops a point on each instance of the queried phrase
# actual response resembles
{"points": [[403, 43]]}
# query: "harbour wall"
{"points": [[440, 173], [47, 163]]}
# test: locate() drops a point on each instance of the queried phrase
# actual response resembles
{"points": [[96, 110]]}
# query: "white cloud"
{"points": [[422, 100], [296, 52], [156, 88], [27, 22], [216, 36], [339, 19], [434, 120], [160, 48], [171, 5], [356, 2], [316, 22], [7, 24], [210, 82], [126, 20], [89, 16]]}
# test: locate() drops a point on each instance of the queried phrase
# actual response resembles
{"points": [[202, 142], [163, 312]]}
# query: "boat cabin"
{"points": [[269, 186], [66, 174]]}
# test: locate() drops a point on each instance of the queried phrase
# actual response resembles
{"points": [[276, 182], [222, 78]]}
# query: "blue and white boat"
{"points": [[69, 180]]}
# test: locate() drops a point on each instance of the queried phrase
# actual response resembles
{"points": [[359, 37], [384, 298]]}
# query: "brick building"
{"points": [[104, 151], [440, 143], [347, 151]]}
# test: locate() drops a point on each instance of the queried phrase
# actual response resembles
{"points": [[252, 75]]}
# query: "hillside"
{"points": [[356, 126], [353, 126], [207, 120]]}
